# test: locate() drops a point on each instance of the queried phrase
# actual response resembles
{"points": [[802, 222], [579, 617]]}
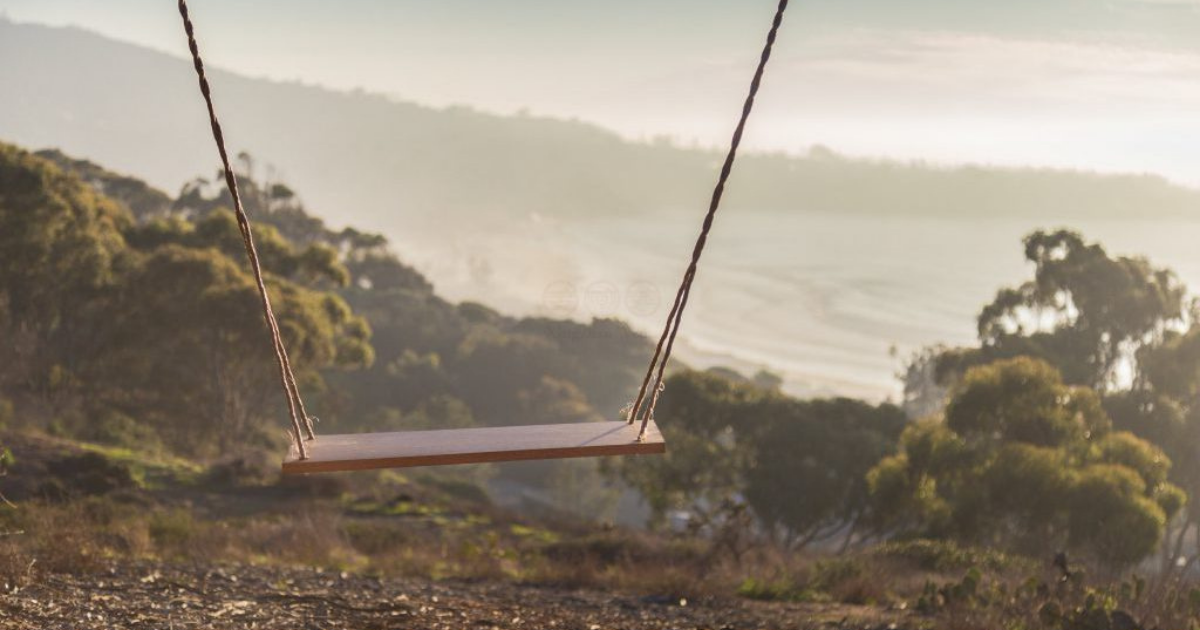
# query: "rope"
{"points": [[666, 341], [301, 424]]}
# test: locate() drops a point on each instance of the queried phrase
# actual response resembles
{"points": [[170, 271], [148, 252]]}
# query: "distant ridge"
{"points": [[367, 159]]}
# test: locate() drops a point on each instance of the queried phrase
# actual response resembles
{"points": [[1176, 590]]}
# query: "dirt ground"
{"points": [[145, 596]]}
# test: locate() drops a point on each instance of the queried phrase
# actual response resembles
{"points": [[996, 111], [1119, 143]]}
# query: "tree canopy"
{"points": [[1026, 462], [800, 466], [139, 322], [1084, 311], [156, 320]]}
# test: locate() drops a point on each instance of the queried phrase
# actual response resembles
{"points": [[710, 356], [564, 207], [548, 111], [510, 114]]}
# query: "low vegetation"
{"points": [[392, 525]]}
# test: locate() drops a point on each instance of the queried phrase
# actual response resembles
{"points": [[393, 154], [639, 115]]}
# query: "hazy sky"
{"points": [[1103, 84]]}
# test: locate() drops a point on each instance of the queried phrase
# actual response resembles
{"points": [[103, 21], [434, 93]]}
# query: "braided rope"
{"points": [[666, 341], [301, 424]]}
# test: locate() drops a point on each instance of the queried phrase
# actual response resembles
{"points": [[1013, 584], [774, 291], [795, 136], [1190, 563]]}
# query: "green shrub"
{"points": [[457, 489], [944, 555], [117, 429], [171, 529], [376, 538], [252, 468], [832, 572], [602, 550], [781, 590], [86, 474]]}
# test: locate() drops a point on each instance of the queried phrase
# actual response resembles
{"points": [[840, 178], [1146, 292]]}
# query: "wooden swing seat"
{"points": [[365, 451]]}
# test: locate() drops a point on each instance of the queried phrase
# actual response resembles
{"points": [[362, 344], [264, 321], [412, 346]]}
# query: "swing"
{"points": [[333, 453]]}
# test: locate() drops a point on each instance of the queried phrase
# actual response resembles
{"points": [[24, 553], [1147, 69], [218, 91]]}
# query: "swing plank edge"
{"points": [[366, 451]]}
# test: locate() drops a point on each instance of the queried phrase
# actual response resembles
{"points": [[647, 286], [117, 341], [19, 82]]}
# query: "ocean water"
{"points": [[832, 303]]}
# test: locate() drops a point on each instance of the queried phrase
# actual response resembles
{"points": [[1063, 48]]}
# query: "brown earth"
{"points": [[151, 596]]}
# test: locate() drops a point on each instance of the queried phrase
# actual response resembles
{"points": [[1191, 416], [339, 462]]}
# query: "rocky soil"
{"points": [[151, 596]]}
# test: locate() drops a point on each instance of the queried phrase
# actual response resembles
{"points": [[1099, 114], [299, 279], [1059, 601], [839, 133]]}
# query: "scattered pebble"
{"points": [[144, 596]]}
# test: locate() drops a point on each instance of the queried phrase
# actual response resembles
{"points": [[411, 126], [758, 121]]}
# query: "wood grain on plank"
{"points": [[364, 451]]}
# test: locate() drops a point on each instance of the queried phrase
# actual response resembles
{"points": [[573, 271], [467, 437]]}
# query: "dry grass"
{"points": [[955, 588], [393, 527], [632, 561], [81, 537]]}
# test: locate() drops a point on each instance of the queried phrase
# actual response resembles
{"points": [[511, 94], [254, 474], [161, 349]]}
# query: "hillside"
{"points": [[386, 164], [139, 479], [152, 278]]}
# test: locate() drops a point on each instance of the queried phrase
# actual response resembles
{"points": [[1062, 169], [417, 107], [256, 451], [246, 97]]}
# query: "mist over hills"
{"points": [[388, 164]]}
